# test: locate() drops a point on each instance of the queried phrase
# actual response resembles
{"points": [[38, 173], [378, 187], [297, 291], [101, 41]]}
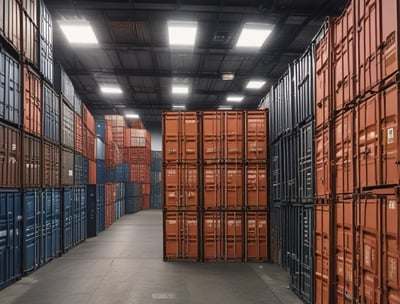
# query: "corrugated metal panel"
{"points": [[51, 165], [30, 38], [67, 125], [46, 43], [32, 166], [10, 157], [32, 102], [10, 24], [51, 113]]}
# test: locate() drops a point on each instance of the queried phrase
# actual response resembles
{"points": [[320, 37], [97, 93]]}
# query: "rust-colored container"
{"points": [[91, 145], [85, 142], [136, 124], [322, 81], [223, 236], [136, 155], [212, 186], [51, 165], [234, 132], [118, 134], [32, 166], [110, 193], [92, 172], [10, 23], [256, 236], [139, 173], [323, 253], [345, 251], [89, 121], [323, 162], [30, 37], [256, 135], [343, 61], [344, 152], [181, 236], [67, 167], [146, 201], [116, 120], [10, 157], [213, 136], [108, 132], [32, 102], [256, 186], [232, 186], [136, 138], [146, 188], [181, 187], [181, 137], [78, 135]]}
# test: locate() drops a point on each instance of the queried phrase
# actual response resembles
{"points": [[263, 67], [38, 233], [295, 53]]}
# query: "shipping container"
{"points": [[100, 212], [323, 157], [78, 134], [156, 160], [81, 171], [133, 204], [10, 86], [139, 173], [91, 211], [10, 157], [78, 105], [30, 7], [181, 187], [32, 102], [46, 43], [10, 23], [256, 245], [51, 114], [67, 125], [100, 149], [256, 136], [137, 138], [137, 155], [133, 190], [212, 134], [100, 172], [68, 206], [51, 165], [67, 167], [30, 39], [92, 172], [256, 186], [181, 236], [306, 165], [146, 201], [10, 236], [32, 162], [110, 191], [63, 85], [79, 231]]}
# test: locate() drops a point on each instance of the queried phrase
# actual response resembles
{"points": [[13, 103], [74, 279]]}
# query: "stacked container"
{"points": [[156, 160], [100, 174], [215, 185]]}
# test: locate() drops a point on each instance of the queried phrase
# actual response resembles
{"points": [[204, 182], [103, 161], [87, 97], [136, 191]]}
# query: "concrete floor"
{"points": [[124, 265]]}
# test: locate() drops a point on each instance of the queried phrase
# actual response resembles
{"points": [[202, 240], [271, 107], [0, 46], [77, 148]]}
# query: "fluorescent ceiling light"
{"points": [[111, 89], [253, 35], [182, 33], [228, 76], [255, 84], [235, 98], [224, 108], [178, 107], [180, 89], [78, 32], [134, 116], [120, 106]]}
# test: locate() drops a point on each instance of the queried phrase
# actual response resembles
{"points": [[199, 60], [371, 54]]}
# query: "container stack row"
{"points": [[291, 104], [156, 189], [357, 156], [215, 194], [44, 164]]}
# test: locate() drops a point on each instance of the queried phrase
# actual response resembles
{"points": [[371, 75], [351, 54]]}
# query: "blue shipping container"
{"points": [[100, 149], [46, 43], [100, 172], [156, 160], [100, 197], [101, 129], [68, 210], [10, 236], [81, 170], [133, 190], [120, 191], [10, 89], [80, 216], [110, 175], [133, 204], [122, 173], [51, 114]]}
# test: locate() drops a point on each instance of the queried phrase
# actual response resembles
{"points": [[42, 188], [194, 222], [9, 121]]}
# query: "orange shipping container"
{"points": [[91, 145], [256, 236], [92, 172], [256, 135], [78, 134], [32, 102], [146, 188], [51, 165], [234, 132], [110, 193], [323, 162], [146, 201], [213, 136], [256, 183], [181, 235], [181, 187]]}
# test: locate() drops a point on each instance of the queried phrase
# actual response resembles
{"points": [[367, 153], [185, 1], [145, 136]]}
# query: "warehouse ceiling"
{"points": [[134, 51]]}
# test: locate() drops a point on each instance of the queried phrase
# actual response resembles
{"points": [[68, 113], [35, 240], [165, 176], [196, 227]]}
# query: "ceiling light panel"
{"points": [[235, 98], [110, 89], [78, 32], [133, 116], [178, 107], [255, 84], [182, 33], [225, 108], [253, 35], [180, 89]]}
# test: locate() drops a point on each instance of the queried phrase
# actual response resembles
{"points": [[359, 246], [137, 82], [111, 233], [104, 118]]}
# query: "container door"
{"points": [[91, 211]]}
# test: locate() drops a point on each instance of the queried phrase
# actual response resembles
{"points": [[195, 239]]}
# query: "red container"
{"points": [[90, 122], [146, 201], [136, 124], [32, 166], [232, 186], [213, 136], [118, 134], [10, 23], [323, 253], [110, 193], [234, 132], [10, 157], [137, 138], [181, 187], [256, 237], [136, 155], [223, 236], [85, 142], [256, 135], [78, 134], [146, 188], [108, 133], [322, 81], [92, 172], [256, 187], [212, 187], [344, 34], [30, 37], [32, 102], [181, 238], [51, 165], [344, 152], [116, 120], [139, 173], [67, 167], [323, 158]]}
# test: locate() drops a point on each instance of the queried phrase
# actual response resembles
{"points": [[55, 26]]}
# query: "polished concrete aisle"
{"points": [[124, 265]]}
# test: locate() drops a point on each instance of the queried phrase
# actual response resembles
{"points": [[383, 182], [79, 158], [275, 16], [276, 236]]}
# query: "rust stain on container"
{"points": [[10, 157], [51, 165], [32, 166], [32, 102], [181, 239]]}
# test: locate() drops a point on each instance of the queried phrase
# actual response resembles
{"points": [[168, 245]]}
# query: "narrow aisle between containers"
{"points": [[124, 265]]}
